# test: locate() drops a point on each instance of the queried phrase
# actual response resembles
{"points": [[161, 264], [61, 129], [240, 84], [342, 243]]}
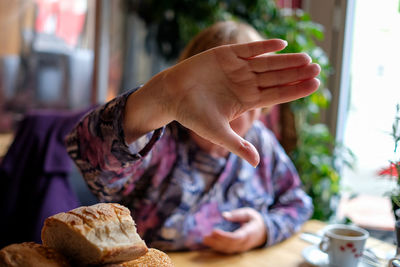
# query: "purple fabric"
{"points": [[34, 175]]}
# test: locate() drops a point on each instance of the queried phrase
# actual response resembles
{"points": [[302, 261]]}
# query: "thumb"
{"points": [[227, 138], [239, 215]]}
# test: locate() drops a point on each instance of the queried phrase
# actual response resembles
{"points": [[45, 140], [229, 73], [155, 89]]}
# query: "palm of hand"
{"points": [[224, 84]]}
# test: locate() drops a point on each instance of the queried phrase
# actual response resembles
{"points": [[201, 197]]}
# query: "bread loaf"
{"points": [[98, 234], [31, 254], [153, 258]]}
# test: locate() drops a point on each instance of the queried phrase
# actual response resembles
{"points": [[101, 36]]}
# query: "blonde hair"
{"points": [[221, 33]]}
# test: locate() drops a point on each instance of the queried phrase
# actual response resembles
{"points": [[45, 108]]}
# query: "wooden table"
{"points": [[287, 253]]}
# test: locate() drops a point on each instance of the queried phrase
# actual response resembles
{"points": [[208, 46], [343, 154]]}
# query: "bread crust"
{"points": [[153, 258], [31, 254], [98, 234]]}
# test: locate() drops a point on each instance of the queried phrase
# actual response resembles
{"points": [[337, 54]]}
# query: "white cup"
{"points": [[344, 244]]}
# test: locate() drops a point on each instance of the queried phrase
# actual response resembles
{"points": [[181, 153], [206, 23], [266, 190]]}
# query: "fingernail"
{"points": [[255, 164], [308, 57], [226, 214]]}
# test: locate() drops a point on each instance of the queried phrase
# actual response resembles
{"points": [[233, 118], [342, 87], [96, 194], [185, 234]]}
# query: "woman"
{"points": [[186, 153]]}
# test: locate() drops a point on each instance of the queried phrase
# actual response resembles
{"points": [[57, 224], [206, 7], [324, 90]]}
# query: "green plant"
{"points": [[394, 166], [314, 156]]}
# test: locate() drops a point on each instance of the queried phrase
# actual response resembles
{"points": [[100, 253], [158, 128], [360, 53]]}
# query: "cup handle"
{"points": [[324, 244]]}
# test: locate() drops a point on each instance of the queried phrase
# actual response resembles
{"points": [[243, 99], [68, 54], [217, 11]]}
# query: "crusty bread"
{"points": [[31, 254], [153, 258], [98, 234]]}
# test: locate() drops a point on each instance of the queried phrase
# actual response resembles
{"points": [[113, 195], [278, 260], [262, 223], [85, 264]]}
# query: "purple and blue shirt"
{"points": [[176, 191]]}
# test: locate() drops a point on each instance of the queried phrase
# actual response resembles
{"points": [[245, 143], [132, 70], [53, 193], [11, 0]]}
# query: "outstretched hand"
{"points": [[209, 90]]}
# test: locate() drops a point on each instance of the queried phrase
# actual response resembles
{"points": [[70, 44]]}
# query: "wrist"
{"points": [[145, 110]]}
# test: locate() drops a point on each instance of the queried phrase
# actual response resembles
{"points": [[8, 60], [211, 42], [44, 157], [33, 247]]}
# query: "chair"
{"points": [[34, 175]]}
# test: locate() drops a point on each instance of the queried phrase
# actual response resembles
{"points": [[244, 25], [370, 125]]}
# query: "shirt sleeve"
{"points": [[97, 145], [292, 206]]}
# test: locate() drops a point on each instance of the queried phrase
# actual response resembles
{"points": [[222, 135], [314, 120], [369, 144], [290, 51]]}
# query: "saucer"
{"points": [[315, 257]]}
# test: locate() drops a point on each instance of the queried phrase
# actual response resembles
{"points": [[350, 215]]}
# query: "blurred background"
{"points": [[68, 55]]}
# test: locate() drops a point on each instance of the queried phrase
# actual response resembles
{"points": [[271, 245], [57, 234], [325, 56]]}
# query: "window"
{"points": [[46, 61], [374, 91]]}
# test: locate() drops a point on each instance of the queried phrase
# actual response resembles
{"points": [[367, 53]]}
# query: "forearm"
{"points": [[98, 147]]}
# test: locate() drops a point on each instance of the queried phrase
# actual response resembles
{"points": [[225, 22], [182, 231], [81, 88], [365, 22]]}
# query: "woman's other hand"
{"points": [[251, 234]]}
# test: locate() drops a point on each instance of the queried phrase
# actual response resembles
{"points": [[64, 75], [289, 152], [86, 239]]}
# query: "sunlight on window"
{"points": [[375, 91]]}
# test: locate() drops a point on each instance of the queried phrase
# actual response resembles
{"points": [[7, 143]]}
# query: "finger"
{"points": [[280, 61], [227, 138], [248, 50], [221, 241], [281, 94], [281, 77], [225, 249], [219, 245], [241, 215], [239, 235]]}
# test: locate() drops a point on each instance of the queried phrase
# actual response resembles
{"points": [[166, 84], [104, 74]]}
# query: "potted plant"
{"points": [[393, 170]]}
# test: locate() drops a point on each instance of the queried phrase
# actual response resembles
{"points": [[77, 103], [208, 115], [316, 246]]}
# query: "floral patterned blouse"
{"points": [[176, 192]]}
